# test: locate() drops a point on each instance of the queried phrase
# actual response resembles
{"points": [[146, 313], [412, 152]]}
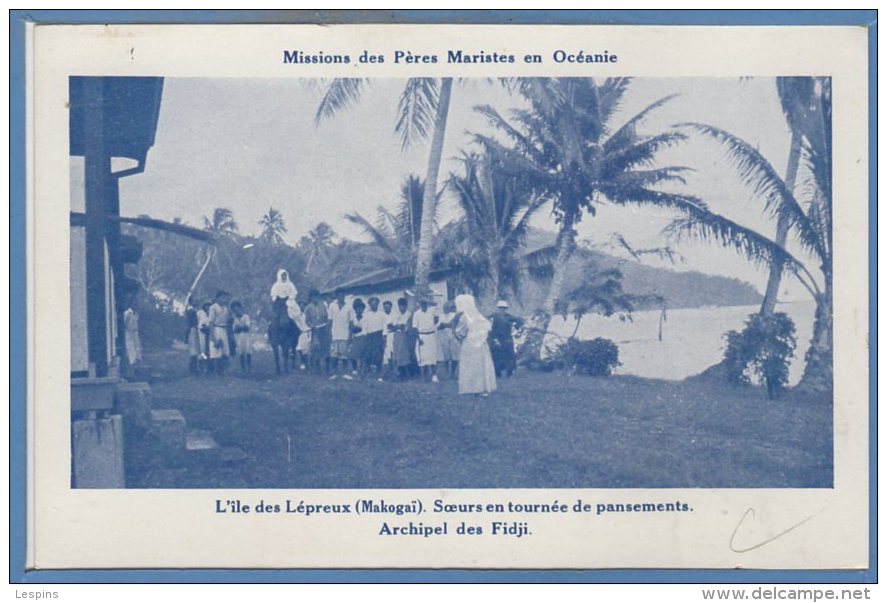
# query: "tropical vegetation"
{"points": [[807, 255]]}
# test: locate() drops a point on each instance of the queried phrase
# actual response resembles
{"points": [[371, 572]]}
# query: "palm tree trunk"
{"points": [[566, 244], [493, 295], [791, 174], [537, 326], [429, 196], [818, 371]]}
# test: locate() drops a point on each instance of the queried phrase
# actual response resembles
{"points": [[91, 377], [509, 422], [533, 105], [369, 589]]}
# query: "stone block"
{"points": [[97, 454], [133, 402], [200, 439], [168, 428]]}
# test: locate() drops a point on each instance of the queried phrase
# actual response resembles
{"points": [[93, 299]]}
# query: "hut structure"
{"points": [[112, 126]]}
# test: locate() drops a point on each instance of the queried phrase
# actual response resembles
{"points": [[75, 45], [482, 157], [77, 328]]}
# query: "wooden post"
{"points": [[97, 172]]}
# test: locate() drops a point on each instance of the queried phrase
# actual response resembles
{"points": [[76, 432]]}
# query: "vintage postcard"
{"points": [[448, 296]]}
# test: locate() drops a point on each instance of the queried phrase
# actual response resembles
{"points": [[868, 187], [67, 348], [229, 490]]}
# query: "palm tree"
{"points": [[317, 243], [273, 227], [573, 154], [809, 224], [497, 207], [423, 107], [398, 233], [222, 222], [802, 105]]}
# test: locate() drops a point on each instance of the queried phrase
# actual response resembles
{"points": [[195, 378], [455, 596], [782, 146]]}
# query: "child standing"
{"points": [[242, 336]]}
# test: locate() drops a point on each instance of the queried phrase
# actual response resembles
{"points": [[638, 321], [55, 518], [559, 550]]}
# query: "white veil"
{"points": [[478, 326], [283, 288]]}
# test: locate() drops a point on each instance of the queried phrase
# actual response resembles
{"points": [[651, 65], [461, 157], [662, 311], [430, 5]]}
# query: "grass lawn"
{"points": [[539, 430]]}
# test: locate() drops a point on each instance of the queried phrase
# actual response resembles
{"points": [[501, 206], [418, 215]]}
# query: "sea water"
{"points": [[692, 338]]}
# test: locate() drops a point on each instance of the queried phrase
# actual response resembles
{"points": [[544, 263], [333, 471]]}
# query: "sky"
{"points": [[249, 144]]}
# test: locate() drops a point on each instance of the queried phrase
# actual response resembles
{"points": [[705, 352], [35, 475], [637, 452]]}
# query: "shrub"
{"points": [[159, 327], [551, 359], [596, 357], [762, 349]]}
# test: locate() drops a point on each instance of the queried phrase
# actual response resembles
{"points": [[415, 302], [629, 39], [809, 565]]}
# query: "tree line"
{"points": [[566, 153]]}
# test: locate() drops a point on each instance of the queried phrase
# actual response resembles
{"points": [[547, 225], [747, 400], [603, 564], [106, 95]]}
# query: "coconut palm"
{"points": [[317, 243], [423, 108], [398, 233], [802, 104], [575, 156], [273, 227], [809, 224], [497, 207], [222, 222]]}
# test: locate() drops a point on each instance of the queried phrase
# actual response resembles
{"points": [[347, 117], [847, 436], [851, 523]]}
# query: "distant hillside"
{"points": [[680, 289], [688, 289]]}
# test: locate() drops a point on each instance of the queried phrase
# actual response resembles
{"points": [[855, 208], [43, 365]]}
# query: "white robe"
{"points": [[133, 341], [295, 313], [477, 375]]}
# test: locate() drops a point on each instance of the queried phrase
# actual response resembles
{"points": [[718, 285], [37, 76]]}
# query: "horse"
{"points": [[283, 335]]}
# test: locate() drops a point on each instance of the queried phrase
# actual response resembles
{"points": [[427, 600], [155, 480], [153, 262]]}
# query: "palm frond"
{"points": [[378, 236], [641, 153], [628, 132], [416, 109], [611, 93], [539, 264], [647, 178], [755, 247], [524, 144], [637, 195], [513, 160], [762, 179], [339, 95], [518, 229]]}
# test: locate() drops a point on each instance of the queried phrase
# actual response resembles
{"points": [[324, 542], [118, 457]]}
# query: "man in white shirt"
{"points": [[425, 323], [340, 319], [374, 323], [219, 317]]}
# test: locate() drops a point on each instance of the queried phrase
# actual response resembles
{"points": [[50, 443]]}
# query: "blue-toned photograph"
{"points": [[451, 283]]}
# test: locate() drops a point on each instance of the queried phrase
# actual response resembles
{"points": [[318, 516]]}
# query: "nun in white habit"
{"points": [[476, 372], [283, 287]]}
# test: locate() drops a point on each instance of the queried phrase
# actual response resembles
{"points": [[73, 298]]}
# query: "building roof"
{"points": [[384, 280], [130, 107]]}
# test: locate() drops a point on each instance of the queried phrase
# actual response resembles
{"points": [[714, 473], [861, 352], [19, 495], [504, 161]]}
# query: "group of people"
{"points": [[216, 331], [371, 338], [375, 338]]}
